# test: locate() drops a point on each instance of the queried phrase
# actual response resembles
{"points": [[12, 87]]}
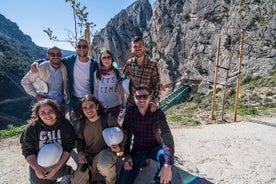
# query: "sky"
{"points": [[32, 16]]}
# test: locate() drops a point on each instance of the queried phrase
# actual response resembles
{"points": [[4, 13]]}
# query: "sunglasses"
{"points": [[52, 54], [82, 46], [106, 57], [140, 97]]}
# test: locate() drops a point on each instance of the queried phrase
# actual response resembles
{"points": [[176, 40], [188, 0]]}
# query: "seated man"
{"points": [[152, 139], [94, 154]]}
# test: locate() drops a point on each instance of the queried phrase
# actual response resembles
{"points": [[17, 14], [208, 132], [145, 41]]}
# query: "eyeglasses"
{"points": [[140, 97], [43, 113], [52, 54], [106, 57], [82, 46]]}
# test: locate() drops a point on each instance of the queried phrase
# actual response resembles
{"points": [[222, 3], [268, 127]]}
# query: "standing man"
{"points": [[142, 70], [52, 73], [80, 69], [152, 139]]}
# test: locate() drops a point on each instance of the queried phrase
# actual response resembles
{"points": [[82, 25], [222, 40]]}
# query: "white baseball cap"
{"points": [[40, 86], [113, 136], [49, 154]]}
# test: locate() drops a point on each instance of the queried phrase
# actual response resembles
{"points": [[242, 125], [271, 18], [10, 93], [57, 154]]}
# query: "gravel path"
{"points": [[243, 152]]}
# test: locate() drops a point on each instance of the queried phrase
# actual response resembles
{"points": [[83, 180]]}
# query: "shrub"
{"points": [[11, 131]]}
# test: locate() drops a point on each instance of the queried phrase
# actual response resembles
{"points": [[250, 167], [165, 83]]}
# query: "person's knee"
{"points": [[105, 167]]}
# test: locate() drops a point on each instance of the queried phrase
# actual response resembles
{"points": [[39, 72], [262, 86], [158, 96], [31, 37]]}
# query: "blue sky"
{"points": [[32, 16]]}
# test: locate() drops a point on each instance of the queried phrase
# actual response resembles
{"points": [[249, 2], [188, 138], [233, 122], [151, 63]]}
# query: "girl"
{"points": [[106, 79], [47, 126]]}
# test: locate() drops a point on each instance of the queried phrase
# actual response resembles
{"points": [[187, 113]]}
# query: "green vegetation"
{"points": [[11, 131], [260, 100]]}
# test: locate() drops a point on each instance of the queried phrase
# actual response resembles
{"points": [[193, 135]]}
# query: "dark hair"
{"points": [[142, 87], [78, 112], [98, 71], [81, 39], [52, 103], [137, 39]]}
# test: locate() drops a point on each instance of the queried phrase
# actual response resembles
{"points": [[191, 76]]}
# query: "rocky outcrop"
{"points": [[119, 30], [182, 36]]}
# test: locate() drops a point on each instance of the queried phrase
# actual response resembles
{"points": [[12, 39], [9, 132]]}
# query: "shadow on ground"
{"points": [[179, 176]]}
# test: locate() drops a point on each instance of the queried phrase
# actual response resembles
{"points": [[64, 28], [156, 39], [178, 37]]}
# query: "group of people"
{"points": [[93, 94]]}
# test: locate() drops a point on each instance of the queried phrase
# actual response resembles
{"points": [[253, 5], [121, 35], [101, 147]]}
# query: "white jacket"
{"points": [[44, 74]]}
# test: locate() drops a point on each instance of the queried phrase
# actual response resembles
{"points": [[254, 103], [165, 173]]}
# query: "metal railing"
{"points": [[175, 97]]}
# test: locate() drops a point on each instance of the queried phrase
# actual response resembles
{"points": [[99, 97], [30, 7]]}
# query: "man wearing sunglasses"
{"points": [[152, 139], [51, 79], [80, 69]]}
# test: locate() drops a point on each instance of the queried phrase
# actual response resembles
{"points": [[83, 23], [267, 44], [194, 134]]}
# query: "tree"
{"points": [[82, 27]]}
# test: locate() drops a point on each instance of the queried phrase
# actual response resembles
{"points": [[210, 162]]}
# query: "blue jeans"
{"points": [[74, 101], [156, 153]]}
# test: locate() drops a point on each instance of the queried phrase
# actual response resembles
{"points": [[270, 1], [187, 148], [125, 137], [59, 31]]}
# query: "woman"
{"points": [[47, 126], [105, 84]]}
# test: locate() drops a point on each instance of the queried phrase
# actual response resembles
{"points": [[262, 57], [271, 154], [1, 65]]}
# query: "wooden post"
{"points": [[239, 77], [225, 86], [215, 81], [87, 38]]}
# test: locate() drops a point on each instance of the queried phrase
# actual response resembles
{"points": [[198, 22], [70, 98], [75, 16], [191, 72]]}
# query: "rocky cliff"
{"points": [[119, 30], [182, 36]]}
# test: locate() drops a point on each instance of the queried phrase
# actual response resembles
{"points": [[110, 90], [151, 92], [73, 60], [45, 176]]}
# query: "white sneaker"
{"points": [[66, 179]]}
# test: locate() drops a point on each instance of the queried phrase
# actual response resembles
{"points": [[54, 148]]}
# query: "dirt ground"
{"points": [[243, 152]]}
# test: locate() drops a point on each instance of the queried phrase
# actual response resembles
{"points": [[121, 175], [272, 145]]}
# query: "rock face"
{"points": [[119, 30], [182, 36]]}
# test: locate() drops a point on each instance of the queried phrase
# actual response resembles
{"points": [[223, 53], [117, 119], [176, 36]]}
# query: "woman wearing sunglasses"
{"points": [[105, 84]]}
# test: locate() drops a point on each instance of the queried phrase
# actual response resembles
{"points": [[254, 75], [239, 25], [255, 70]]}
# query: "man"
{"points": [[80, 69], [91, 146], [152, 139], [53, 73], [142, 70]]}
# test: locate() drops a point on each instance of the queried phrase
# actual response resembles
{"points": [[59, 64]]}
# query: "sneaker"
{"points": [[66, 179]]}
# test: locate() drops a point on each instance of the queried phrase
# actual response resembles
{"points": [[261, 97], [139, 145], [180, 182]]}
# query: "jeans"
{"points": [[156, 153], [72, 105]]}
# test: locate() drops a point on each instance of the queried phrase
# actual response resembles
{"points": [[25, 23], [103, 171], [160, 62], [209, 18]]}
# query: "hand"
{"points": [[34, 67], [39, 97], [120, 88], [82, 157], [115, 148], [128, 163], [51, 171], [165, 174], [153, 106], [39, 172]]}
